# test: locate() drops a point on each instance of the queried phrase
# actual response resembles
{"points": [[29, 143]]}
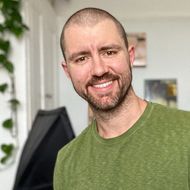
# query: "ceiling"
{"points": [[131, 8]]}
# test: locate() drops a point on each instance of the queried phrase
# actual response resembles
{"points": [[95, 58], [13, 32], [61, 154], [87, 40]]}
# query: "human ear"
{"points": [[131, 51], [65, 68]]}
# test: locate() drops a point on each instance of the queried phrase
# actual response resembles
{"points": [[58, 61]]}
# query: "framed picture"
{"points": [[163, 91], [138, 40]]}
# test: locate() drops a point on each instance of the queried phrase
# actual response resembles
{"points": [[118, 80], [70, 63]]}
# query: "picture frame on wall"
{"points": [[138, 40], [162, 91]]}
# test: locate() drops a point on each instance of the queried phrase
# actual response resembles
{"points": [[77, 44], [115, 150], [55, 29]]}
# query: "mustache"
{"points": [[106, 76]]}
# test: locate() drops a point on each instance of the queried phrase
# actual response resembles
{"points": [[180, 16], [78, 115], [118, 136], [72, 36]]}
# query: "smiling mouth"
{"points": [[103, 85]]}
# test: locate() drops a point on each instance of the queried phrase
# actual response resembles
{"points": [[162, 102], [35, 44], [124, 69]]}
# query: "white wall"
{"points": [[168, 55], [167, 26], [7, 175]]}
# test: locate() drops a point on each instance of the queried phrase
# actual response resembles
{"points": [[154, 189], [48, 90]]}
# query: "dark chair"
{"points": [[50, 131]]}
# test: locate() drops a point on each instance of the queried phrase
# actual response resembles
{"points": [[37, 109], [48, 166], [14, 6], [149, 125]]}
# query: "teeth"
{"points": [[103, 85]]}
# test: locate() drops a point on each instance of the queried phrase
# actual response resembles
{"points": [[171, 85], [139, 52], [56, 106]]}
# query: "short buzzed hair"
{"points": [[91, 16]]}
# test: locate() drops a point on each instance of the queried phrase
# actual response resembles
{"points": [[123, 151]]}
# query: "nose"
{"points": [[98, 67]]}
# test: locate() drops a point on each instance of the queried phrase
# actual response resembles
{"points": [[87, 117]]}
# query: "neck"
{"points": [[116, 122]]}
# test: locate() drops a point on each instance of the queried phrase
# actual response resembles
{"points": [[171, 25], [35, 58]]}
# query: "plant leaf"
{"points": [[15, 27], [16, 16], [9, 66], [25, 26], [3, 87], [4, 45], [1, 28], [8, 123], [14, 103], [7, 148], [2, 59], [4, 159], [11, 5]]}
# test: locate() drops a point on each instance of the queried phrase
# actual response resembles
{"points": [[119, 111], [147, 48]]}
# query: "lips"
{"points": [[103, 85], [102, 81]]}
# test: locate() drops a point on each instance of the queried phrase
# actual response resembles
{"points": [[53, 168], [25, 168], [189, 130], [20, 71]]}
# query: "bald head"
{"points": [[90, 17]]}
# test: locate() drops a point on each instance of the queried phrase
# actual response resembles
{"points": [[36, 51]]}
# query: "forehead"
{"points": [[104, 30], [90, 22]]}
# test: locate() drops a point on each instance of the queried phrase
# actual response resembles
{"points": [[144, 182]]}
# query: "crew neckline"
{"points": [[137, 125]]}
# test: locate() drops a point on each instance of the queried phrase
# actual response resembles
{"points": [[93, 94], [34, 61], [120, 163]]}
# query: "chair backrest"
{"points": [[51, 130]]}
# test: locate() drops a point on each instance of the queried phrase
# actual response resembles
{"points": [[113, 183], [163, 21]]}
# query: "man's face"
{"points": [[98, 63]]}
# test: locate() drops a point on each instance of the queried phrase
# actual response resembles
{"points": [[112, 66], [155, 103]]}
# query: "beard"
{"points": [[111, 100]]}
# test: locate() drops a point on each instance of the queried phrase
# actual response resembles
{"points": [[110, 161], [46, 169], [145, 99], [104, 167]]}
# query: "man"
{"points": [[131, 144]]}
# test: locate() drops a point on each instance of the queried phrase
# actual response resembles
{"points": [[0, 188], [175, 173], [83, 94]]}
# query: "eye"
{"points": [[110, 52], [81, 59]]}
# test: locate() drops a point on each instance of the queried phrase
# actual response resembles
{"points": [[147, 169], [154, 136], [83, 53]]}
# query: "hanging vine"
{"points": [[11, 24]]}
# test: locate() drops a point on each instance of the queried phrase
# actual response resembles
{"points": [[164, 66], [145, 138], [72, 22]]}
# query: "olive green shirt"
{"points": [[154, 154]]}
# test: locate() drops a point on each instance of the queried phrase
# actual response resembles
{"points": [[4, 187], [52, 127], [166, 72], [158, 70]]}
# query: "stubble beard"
{"points": [[110, 102]]}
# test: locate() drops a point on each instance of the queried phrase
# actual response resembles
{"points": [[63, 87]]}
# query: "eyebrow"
{"points": [[74, 55], [110, 46], [103, 48]]}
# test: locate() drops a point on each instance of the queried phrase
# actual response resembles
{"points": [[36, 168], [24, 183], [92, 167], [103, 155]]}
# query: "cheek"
{"points": [[79, 73], [121, 65], [78, 78]]}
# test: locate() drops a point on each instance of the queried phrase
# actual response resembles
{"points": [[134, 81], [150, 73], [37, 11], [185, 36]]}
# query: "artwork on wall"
{"points": [[163, 91], [138, 40]]}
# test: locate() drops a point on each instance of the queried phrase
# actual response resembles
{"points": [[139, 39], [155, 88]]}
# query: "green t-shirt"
{"points": [[154, 154]]}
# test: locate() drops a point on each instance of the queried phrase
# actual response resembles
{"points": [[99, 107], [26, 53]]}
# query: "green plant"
{"points": [[11, 24]]}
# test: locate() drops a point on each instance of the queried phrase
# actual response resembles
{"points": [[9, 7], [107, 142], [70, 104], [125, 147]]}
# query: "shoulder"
{"points": [[69, 157], [171, 119], [167, 126], [171, 113], [76, 145]]}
